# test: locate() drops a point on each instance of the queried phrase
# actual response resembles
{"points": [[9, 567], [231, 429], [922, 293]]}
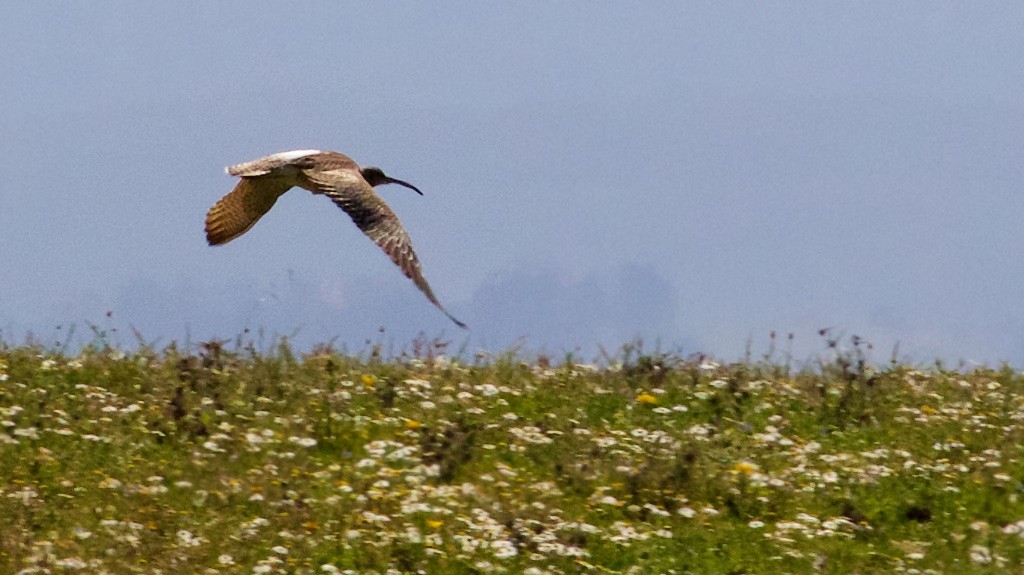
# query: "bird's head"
{"points": [[376, 177]]}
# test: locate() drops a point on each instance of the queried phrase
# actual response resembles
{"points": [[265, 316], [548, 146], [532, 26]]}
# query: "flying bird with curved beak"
{"points": [[333, 175]]}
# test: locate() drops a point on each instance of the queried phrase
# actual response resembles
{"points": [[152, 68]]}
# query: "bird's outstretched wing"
{"points": [[378, 222], [238, 211]]}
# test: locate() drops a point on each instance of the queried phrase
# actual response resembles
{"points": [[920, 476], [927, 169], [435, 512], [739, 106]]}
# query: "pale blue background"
{"points": [[702, 173]]}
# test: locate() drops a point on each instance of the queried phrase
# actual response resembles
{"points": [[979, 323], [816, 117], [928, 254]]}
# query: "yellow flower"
{"points": [[646, 398], [744, 467], [369, 380], [412, 424], [434, 523]]}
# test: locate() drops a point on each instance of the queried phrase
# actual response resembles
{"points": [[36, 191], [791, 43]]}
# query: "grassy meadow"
{"points": [[225, 459]]}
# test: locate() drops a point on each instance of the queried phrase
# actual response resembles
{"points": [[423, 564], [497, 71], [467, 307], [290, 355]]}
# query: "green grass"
{"points": [[233, 461]]}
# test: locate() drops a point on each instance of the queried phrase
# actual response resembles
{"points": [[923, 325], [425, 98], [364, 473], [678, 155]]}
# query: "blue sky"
{"points": [[698, 174]]}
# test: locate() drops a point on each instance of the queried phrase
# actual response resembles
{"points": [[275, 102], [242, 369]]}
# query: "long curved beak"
{"points": [[391, 180]]}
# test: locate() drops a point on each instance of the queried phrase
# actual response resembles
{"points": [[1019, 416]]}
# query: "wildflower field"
{"points": [[229, 460]]}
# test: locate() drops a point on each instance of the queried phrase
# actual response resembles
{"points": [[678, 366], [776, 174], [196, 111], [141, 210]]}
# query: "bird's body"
{"points": [[333, 175]]}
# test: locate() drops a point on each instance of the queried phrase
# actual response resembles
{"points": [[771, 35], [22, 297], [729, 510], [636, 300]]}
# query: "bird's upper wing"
{"points": [[281, 163], [263, 181], [376, 220], [238, 211]]}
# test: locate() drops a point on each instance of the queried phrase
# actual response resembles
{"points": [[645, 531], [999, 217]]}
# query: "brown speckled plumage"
{"points": [[333, 175]]}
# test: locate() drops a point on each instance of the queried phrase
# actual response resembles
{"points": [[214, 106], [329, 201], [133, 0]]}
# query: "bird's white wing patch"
{"points": [[268, 164], [292, 155]]}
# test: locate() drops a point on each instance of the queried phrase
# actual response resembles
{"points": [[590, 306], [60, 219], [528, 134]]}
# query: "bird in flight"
{"points": [[333, 175]]}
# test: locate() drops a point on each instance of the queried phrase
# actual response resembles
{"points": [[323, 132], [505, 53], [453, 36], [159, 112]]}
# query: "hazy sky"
{"points": [[695, 173]]}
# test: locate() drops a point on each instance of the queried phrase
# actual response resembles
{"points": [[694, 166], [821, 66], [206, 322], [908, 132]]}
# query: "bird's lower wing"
{"points": [[238, 211], [381, 225]]}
